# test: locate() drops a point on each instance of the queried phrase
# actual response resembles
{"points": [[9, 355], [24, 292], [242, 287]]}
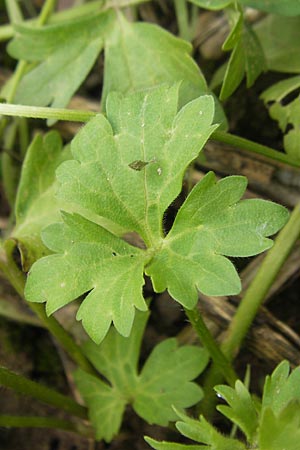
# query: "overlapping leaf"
{"points": [[127, 170], [285, 7], [164, 380], [286, 113], [247, 55], [36, 205], [65, 53]]}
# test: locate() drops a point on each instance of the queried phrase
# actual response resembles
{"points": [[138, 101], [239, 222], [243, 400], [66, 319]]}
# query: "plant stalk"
{"points": [[218, 357], [45, 422], [239, 142], [182, 19], [261, 284], [23, 385], [39, 112]]}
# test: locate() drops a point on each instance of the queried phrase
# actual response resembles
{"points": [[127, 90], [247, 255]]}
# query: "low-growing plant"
{"points": [[91, 221]]}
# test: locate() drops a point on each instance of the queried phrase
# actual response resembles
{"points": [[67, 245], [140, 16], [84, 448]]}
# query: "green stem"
{"points": [[210, 344], [182, 19], [22, 385], [11, 312], [261, 284], [46, 12], [44, 422], [38, 112], [246, 144], [17, 279]]}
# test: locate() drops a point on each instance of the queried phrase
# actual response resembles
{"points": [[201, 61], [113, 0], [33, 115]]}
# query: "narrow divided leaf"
{"points": [[164, 380], [128, 168], [286, 113]]}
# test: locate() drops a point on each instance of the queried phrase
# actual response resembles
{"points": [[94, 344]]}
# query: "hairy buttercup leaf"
{"points": [[285, 7], [164, 380], [36, 205], [199, 431], [142, 55], [65, 53], [273, 424], [127, 170], [210, 225], [285, 112], [241, 409]]}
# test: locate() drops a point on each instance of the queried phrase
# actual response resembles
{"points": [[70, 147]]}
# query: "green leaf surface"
{"points": [[211, 4], [210, 225], [36, 205], [284, 7], [164, 380], [286, 112], [127, 170], [142, 55], [281, 431], [281, 49], [247, 56], [241, 410], [163, 445], [203, 432], [65, 53]]}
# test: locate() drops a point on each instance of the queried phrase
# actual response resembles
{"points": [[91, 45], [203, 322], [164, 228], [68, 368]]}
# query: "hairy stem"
{"points": [[246, 144], [39, 112], [261, 284], [182, 19], [17, 279], [23, 385], [210, 344], [44, 422]]}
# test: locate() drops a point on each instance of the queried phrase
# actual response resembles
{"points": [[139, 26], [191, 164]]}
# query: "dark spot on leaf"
{"points": [[138, 165], [114, 254]]}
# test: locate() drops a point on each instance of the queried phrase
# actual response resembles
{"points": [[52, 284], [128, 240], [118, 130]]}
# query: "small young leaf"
{"points": [[286, 113], [36, 205], [203, 432], [241, 409], [210, 225], [164, 380]]}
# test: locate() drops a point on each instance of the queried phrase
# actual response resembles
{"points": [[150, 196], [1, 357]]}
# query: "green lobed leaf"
{"points": [[286, 113], [247, 56], [65, 53], [142, 55], [210, 225], [165, 379], [36, 205], [164, 445], [284, 7], [203, 432], [281, 49], [241, 409], [127, 170]]}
